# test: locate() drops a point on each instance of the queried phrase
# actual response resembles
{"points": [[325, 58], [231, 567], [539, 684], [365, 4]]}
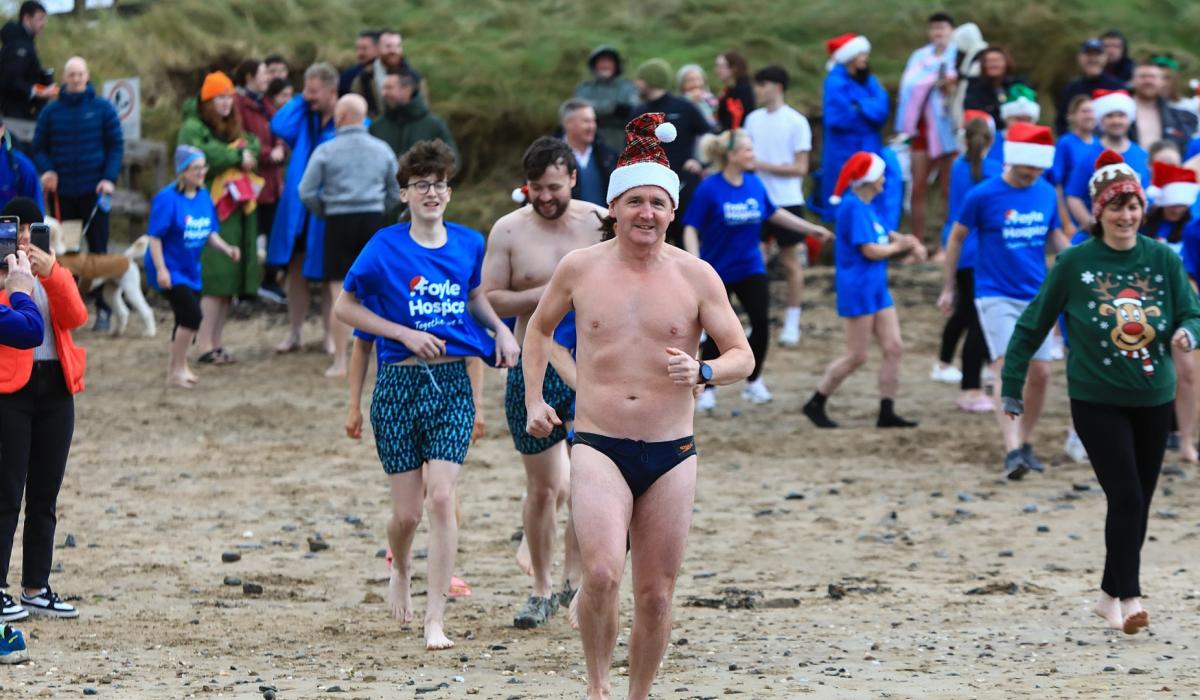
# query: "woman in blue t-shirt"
{"points": [[415, 289], [861, 252], [1073, 150], [723, 226], [182, 222]]}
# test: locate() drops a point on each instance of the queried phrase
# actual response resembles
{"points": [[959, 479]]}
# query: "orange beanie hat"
{"points": [[216, 83]]}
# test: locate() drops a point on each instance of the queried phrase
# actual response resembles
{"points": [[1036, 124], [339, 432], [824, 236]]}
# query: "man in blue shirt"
{"points": [[18, 175], [1114, 110]]}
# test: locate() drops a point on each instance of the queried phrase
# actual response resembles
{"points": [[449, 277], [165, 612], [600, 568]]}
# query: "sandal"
{"points": [[209, 358], [223, 357]]}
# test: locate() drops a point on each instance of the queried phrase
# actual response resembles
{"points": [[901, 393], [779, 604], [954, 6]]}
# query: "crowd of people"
{"points": [[652, 187]]}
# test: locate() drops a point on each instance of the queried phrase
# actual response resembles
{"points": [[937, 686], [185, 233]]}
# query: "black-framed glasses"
{"points": [[423, 186]]}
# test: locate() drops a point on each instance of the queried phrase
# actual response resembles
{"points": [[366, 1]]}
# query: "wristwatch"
{"points": [[704, 376]]}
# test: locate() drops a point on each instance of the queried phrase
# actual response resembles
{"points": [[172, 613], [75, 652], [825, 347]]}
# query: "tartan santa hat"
{"points": [[845, 47], [1105, 102], [643, 162], [1029, 145], [862, 167], [1113, 177], [1171, 185]]}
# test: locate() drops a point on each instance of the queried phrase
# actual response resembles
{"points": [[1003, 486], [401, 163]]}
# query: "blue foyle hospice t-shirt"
{"points": [[183, 224], [1077, 182], [730, 221], [425, 289], [860, 282], [1012, 225], [960, 184]]}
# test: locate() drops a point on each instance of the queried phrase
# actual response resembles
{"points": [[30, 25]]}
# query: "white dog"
{"points": [[118, 290]]}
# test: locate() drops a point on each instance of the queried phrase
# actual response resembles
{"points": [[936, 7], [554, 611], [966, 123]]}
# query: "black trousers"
{"points": [[36, 426], [1126, 446], [755, 297], [965, 319]]}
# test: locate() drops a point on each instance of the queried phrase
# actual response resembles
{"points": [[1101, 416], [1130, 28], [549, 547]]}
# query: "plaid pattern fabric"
{"points": [[641, 143]]}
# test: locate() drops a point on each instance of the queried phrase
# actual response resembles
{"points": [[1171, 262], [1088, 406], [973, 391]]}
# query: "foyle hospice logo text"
{"points": [[434, 298], [1023, 226]]}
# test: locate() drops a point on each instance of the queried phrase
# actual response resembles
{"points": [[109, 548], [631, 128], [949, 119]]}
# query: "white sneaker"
{"points": [[756, 392], [1074, 447], [946, 374], [988, 375], [707, 402], [790, 335]]}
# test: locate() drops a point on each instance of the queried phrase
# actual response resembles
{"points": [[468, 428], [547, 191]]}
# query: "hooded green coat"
{"points": [[404, 125]]}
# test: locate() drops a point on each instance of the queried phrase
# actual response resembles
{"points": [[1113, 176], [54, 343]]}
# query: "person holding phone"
{"points": [[37, 421]]}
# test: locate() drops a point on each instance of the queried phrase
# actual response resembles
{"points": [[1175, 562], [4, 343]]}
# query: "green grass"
{"points": [[498, 69]]}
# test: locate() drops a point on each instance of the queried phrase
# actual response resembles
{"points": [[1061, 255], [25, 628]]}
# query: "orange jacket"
{"points": [[67, 312]]}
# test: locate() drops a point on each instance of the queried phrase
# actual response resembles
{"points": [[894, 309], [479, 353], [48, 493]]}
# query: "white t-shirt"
{"points": [[778, 136]]}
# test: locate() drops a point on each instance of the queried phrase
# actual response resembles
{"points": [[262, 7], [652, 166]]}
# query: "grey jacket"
{"points": [[354, 173]]}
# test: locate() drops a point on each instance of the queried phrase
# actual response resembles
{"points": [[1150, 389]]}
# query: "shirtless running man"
{"points": [[523, 249], [640, 306]]}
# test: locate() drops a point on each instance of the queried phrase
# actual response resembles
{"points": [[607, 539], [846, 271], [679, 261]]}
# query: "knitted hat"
{"points": [[1105, 102], [1021, 101], [215, 83], [656, 73], [862, 167], [24, 209], [842, 49], [971, 115], [1113, 177], [186, 155], [1029, 145], [643, 162], [1172, 185]]}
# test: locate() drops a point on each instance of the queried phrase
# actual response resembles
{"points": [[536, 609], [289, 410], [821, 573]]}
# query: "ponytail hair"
{"points": [[715, 148], [979, 140]]}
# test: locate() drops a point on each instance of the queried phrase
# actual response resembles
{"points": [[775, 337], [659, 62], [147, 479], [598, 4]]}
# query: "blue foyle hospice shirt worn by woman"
{"points": [[960, 184], [1012, 224], [861, 282], [425, 289], [184, 225], [730, 221]]}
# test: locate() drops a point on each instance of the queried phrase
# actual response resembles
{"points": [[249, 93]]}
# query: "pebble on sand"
{"points": [[316, 543], [252, 589], [230, 557]]}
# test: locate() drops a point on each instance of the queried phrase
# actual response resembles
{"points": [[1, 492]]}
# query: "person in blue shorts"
{"points": [[863, 247], [1115, 111], [415, 288], [1015, 218]]}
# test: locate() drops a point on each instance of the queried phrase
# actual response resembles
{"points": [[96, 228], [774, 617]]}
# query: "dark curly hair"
{"points": [[544, 153], [427, 158]]}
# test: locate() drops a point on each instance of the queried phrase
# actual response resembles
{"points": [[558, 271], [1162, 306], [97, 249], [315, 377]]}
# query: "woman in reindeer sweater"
{"points": [[1126, 299]]}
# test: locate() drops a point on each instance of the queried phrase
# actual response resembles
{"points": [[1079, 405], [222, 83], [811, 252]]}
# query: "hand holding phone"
{"points": [[8, 238]]}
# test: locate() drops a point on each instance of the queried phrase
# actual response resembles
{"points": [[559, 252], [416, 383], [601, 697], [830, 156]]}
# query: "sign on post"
{"points": [[125, 94]]}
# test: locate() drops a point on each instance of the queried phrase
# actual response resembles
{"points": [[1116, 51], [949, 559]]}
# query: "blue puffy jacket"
{"points": [[79, 137], [854, 113]]}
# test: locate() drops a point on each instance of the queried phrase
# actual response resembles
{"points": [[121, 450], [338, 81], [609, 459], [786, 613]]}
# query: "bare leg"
{"points": [[210, 307], [178, 373], [297, 304], [920, 190], [659, 529], [1034, 397], [340, 334], [402, 526], [327, 319], [218, 328], [1185, 403], [601, 506], [543, 482], [440, 482], [858, 337], [1010, 430], [887, 334], [789, 257]]}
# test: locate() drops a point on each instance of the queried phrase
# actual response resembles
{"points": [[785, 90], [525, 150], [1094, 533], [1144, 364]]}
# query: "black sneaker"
{"points": [[49, 604], [535, 613], [1015, 466], [10, 610], [1034, 463]]}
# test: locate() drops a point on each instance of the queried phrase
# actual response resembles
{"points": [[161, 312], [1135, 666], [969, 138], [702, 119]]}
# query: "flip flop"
{"points": [[209, 358], [224, 358]]}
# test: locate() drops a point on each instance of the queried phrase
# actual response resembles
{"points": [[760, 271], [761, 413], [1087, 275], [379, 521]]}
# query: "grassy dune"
{"points": [[498, 69]]}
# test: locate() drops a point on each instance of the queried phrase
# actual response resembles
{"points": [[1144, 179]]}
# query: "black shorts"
{"points": [[185, 302], [785, 237], [345, 237]]}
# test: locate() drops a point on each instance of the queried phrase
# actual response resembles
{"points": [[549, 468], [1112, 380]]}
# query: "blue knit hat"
{"points": [[186, 155]]}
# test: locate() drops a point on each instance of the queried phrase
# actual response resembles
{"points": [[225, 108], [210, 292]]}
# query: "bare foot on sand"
{"points": [[1109, 609], [328, 345], [1187, 453], [336, 371], [1133, 617], [181, 381], [400, 597], [435, 638], [289, 344], [524, 561]]}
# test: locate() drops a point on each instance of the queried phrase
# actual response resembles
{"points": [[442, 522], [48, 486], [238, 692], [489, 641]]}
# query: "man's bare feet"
{"points": [[599, 693], [400, 597], [190, 375], [336, 370], [289, 344], [524, 560], [181, 381], [435, 638]]}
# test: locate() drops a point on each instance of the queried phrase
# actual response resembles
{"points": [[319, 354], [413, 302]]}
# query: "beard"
{"points": [[557, 206]]}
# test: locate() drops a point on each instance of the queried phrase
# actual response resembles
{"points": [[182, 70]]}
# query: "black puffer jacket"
{"points": [[20, 70]]}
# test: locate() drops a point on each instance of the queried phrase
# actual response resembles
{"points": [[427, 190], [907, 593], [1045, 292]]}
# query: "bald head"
{"points": [[350, 110], [75, 74]]}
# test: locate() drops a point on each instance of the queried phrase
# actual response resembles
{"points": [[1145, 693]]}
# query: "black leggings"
{"points": [[36, 426], [965, 319], [1125, 445], [754, 295]]}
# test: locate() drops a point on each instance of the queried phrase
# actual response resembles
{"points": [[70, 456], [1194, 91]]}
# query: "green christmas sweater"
{"points": [[1121, 307]]}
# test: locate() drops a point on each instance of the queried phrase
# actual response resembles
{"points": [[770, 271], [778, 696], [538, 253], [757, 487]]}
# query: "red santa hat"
{"points": [[1113, 177], [1105, 102], [1172, 185], [1029, 145], [1127, 296], [971, 115], [845, 47], [643, 162], [862, 167]]}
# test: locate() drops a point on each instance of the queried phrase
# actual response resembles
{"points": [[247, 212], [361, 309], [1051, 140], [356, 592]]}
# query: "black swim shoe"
{"points": [[535, 613], [1034, 463], [1015, 466], [815, 410]]}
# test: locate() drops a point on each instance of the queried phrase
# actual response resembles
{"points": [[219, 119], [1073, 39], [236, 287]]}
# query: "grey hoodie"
{"points": [[354, 173]]}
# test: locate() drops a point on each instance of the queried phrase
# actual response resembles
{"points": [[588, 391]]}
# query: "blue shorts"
{"points": [[555, 392], [859, 301], [421, 414]]}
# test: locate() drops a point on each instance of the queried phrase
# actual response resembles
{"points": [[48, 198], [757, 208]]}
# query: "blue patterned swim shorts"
{"points": [[421, 413], [556, 393]]}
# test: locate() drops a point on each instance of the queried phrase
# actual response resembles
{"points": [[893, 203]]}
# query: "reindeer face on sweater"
{"points": [[1132, 330]]}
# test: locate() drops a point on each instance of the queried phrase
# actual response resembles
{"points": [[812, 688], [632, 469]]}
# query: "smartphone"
{"points": [[39, 236], [8, 238]]}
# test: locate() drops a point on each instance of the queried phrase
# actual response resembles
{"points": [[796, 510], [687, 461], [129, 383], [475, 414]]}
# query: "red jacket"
{"points": [[67, 312], [256, 119]]}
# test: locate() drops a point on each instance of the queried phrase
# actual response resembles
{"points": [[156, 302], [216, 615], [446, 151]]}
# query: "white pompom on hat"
{"points": [[861, 167]]}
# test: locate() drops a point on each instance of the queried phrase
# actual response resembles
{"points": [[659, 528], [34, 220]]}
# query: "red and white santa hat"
{"points": [[1105, 102], [1113, 177], [1127, 296], [1029, 145], [862, 167], [842, 49], [643, 162], [971, 115], [1171, 185]]}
